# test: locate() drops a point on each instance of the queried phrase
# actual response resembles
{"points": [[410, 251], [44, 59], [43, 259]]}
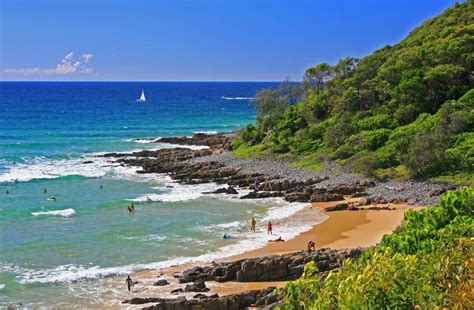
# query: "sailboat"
{"points": [[142, 97]]}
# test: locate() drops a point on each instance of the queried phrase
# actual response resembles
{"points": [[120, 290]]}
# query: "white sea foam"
{"points": [[179, 192], [237, 98], [208, 132], [43, 168], [143, 140], [2, 286], [65, 213], [152, 237], [230, 225], [89, 166]]}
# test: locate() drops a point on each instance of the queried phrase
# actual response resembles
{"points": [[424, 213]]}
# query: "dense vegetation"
{"points": [[406, 110], [427, 264]]}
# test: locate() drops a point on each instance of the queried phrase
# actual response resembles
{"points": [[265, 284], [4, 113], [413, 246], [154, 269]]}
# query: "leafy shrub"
{"points": [[425, 264], [376, 122], [462, 152], [405, 114]]}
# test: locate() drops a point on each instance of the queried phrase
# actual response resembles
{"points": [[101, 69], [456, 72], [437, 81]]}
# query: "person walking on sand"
{"points": [[269, 228], [311, 247], [253, 224], [129, 283]]}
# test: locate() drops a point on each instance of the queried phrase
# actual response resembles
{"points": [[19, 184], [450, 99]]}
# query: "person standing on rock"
{"points": [[129, 283], [253, 224], [256, 185], [269, 228], [311, 247]]}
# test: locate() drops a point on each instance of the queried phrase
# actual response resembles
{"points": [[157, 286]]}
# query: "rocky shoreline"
{"points": [[275, 178], [268, 268]]}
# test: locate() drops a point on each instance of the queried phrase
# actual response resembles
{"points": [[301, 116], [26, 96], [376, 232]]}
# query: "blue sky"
{"points": [[200, 40]]}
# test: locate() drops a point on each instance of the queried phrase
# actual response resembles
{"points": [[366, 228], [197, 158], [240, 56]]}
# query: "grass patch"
{"points": [[458, 178], [244, 151], [309, 162], [397, 173]]}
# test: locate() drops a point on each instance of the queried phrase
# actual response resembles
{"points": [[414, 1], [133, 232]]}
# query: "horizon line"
{"points": [[148, 81]]}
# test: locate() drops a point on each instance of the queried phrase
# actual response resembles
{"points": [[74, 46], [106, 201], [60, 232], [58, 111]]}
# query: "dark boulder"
{"points": [[197, 286], [161, 282]]}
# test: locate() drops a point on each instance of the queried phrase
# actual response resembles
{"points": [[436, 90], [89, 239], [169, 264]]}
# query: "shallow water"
{"points": [[59, 253]]}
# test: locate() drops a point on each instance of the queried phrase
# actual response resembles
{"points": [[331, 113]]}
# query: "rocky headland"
{"points": [[274, 176]]}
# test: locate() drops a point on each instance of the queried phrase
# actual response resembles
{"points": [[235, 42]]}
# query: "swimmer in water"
{"points": [[7, 192], [101, 187], [45, 191], [52, 198]]}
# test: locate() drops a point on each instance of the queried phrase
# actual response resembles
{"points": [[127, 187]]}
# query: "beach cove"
{"points": [[344, 229]]}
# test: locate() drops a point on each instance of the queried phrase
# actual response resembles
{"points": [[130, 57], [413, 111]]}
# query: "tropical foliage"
{"points": [[427, 264], [410, 105]]}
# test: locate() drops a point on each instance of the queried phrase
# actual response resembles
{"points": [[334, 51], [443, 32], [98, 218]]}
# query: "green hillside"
{"points": [[405, 111]]}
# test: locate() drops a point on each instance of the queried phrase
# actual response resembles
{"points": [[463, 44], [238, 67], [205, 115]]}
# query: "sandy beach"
{"points": [[341, 229]]}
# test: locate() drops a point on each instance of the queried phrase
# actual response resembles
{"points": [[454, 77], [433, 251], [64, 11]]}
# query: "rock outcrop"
{"points": [[269, 268], [257, 298]]}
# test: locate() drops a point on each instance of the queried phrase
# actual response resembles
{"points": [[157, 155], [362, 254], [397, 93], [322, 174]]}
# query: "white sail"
{"points": [[142, 97]]}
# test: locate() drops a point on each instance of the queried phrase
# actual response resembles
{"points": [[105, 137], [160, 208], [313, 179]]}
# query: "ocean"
{"points": [[58, 253]]}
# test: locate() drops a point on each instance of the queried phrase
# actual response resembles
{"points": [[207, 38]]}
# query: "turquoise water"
{"points": [[50, 134]]}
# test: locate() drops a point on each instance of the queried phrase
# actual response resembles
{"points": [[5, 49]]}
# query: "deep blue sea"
{"points": [[58, 253]]}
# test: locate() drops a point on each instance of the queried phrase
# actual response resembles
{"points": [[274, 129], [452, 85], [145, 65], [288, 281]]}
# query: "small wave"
{"points": [[207, 132], [89, 166], [143, 140], [2, 286], [229, 225], [145, 238], [66, 212], [237, 98], [179, 192]]}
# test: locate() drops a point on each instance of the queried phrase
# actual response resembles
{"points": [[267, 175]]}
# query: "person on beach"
{"points": [[269, 228], [45, 191], [253, 224], [129, 283], [279, 239], [256, 185], [350, 205], [311, 246]]}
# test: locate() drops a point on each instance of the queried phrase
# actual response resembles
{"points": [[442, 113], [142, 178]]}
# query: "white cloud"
{"points": [[67, 66]]}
